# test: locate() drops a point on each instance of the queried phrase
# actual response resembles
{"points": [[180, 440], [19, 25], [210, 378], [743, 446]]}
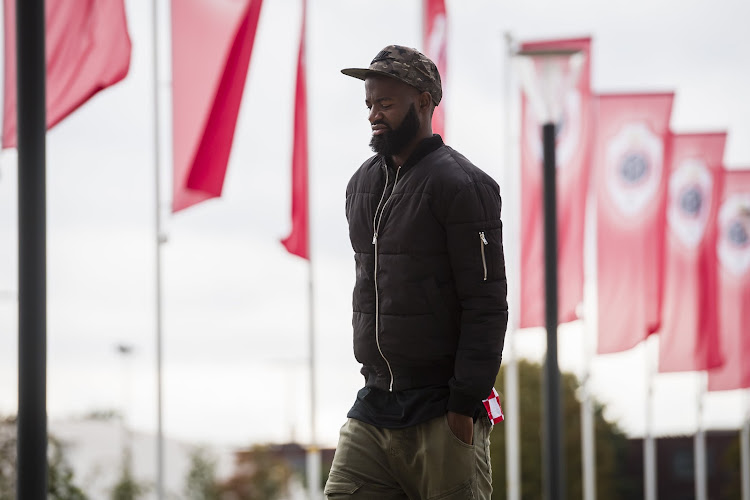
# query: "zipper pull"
{"points": [[374, 237], [483, 243]]}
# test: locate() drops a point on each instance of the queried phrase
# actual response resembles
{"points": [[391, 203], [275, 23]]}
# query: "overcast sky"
{"points": [[234, 302]]}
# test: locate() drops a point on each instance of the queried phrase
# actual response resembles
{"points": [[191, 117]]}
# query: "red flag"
{"points": [[298, 241], [573, 154], [689, 329], [733, 249], [435, 43], [632, 150], [212, 41], [87, 48]]}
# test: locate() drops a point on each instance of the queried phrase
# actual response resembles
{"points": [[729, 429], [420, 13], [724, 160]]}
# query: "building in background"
{"points": [[94, 448]]}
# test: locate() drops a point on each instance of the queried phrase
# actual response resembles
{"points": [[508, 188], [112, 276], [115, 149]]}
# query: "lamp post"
{"points": [[125, 351], [546, 76], [745, 451], [31, 458]]}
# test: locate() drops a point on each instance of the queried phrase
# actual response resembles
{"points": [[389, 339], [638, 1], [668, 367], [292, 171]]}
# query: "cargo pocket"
{"points": [[340, 485], [461, 492]]}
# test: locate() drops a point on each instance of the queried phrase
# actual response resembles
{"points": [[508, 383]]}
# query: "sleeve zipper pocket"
{"points": [[483, 243]]}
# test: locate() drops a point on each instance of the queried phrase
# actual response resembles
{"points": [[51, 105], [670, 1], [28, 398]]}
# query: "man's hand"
{"points": [[462, 426]]}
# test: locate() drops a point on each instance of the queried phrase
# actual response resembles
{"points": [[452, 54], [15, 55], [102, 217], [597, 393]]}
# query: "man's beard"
{"points": [[393, 141]]}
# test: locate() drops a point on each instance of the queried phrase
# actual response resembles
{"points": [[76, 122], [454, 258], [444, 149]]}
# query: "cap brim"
{"points": [[362, 73]]}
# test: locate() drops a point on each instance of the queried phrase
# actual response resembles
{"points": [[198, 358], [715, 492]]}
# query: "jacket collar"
{"points": [[425, 147]]}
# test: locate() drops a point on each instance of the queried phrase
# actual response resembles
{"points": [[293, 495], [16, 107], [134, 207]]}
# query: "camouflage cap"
{"points": [[405, 64]]}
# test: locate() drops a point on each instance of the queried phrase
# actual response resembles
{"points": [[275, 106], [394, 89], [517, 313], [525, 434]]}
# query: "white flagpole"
{"points": [[159, 241], [313, 462], [588, 434], [745, 450], [590, 321], [699, 442], [313, 458], [512, 446], [649, 446]]}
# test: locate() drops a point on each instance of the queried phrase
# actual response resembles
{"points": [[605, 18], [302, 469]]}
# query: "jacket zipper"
{"points": [[377, 210], [376, 228], [483, 243]]}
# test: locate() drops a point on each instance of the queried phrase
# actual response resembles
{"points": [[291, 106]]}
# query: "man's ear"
{"points": [[425, 101]]}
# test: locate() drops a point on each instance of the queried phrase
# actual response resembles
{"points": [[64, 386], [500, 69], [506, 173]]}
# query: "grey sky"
{"points": [[235, 305]]}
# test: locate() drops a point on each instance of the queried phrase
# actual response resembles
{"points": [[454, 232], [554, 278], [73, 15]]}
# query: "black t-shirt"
{"points": [[396, 410]]}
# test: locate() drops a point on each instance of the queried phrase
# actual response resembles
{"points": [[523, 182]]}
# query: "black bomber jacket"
{"points": [[429, 301]]}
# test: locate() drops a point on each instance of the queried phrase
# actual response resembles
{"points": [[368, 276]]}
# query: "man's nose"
{"points": [[375, 115]]}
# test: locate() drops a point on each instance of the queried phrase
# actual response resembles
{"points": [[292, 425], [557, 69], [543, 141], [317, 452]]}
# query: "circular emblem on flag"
{"points": [[689, 200], [734, 234], [567, 131], [633, 167]]}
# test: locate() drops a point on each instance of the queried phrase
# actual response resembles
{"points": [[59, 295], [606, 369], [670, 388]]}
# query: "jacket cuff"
{"points": [[462, 403]]}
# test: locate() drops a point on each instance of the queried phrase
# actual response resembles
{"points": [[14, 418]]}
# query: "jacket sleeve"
{"points": [[475, 249]]}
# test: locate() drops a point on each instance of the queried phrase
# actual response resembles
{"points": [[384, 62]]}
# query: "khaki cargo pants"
{"points": [[423, 462]]}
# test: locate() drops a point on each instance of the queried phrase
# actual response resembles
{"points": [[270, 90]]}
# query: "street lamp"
{"points": [[126, 351], [546, 77]]}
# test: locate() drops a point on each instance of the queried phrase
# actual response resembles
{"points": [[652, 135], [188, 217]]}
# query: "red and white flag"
{"points": [[630, 162], [87, 48], [435, 43], [689, 333], [298, 241], [573, 153], [212, 41], [733, 251], [493, 408]]}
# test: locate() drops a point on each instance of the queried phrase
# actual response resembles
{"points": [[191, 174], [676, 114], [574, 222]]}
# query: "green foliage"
{"points": [[325, 471], [127, 488], [611, 443], [200, 483], [260, 474], [60, 477], [730, 463], [103, 415], [7, 457]]}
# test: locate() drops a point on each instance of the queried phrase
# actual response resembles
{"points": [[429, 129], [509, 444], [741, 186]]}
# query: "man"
{"points": [[429, 301]]}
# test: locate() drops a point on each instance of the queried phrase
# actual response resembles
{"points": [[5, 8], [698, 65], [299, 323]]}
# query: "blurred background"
{"points": [[234, 300]]}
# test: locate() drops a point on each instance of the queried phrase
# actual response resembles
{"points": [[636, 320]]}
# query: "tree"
{"points": [[611, 442], [127, 488], [200, 483], [730, 462], [7, 457], [260, 475], [60, 477]]}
